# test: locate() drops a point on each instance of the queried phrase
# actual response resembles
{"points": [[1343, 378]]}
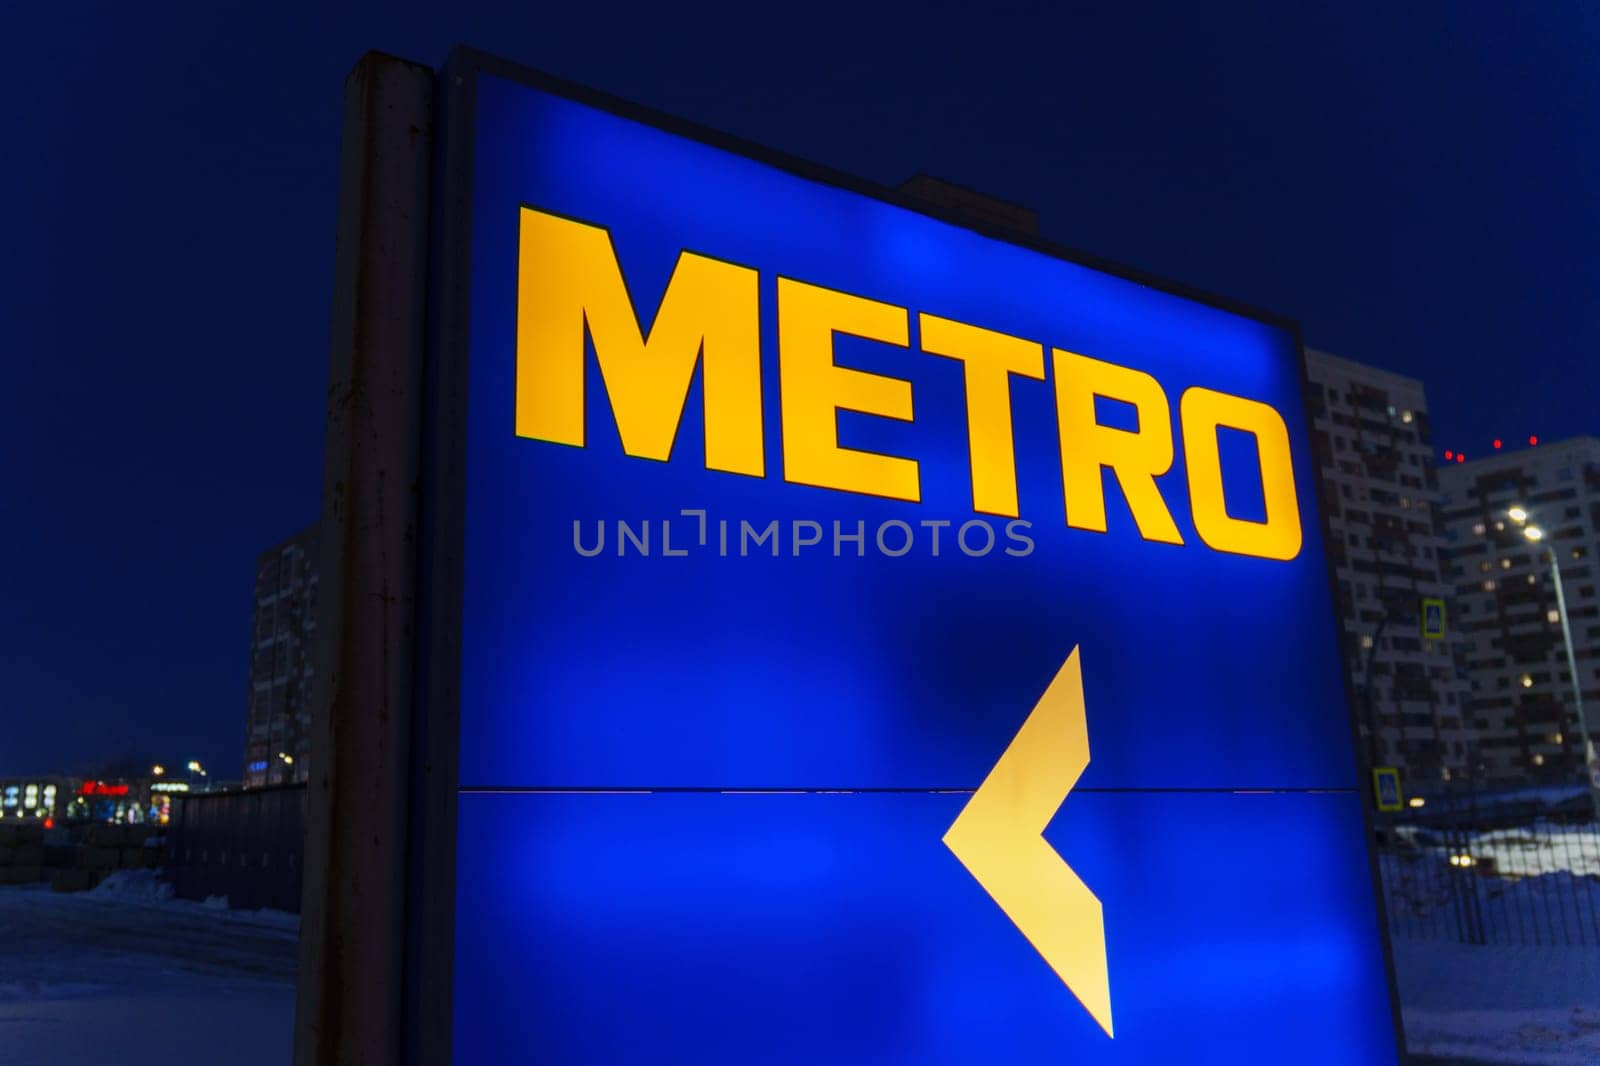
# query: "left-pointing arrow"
{"points": [[998, 838]]}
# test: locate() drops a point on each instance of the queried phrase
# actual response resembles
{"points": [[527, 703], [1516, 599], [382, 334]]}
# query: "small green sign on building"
{"points": [[1386, 788], [1433, 618]]}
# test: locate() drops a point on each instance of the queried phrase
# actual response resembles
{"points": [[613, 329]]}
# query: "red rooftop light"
{"points": [[1460, 458], [1533, 442], [1497, 444], [1449, 455]]}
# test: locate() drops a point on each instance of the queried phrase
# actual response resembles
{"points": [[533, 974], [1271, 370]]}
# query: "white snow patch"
{"points": [[133, 884]]}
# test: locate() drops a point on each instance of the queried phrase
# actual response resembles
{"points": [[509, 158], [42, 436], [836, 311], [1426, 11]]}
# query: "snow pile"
{"points": [[133, 885], [1542, 850], [1536, 885]]}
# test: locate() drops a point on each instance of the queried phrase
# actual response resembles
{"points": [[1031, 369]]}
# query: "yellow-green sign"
{"points": [[1433, 618], [1386, 788]]}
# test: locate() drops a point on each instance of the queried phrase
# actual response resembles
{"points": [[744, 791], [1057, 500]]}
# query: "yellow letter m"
{"points": [[569, 282]]}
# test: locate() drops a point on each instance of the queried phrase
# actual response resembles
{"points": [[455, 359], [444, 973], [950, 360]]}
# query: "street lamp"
{"points": [[1535, 535]]}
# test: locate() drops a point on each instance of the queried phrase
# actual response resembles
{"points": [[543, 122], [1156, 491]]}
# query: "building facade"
{"points": [[1521, 707], [57, 800], [1379, 489], [278, 734]]}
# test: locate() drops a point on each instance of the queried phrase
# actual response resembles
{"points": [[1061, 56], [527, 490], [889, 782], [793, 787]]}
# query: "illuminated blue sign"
{"points": [[813, 552]]}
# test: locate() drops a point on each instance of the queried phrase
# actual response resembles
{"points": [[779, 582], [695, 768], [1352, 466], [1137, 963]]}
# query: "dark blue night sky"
{"points": [[1415, 183]]}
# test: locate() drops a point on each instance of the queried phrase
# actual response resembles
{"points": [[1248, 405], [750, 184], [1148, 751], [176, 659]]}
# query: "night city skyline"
{"points": [[172, 269]]}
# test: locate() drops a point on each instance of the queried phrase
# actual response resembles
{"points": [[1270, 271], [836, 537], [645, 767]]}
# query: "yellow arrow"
{"points": [[997, 837]]}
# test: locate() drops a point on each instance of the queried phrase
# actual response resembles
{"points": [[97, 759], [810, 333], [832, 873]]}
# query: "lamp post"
{"points": [[1535, 535]]}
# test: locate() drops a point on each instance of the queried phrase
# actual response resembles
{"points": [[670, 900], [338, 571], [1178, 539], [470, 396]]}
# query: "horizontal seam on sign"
{"points": [[601, 790]]}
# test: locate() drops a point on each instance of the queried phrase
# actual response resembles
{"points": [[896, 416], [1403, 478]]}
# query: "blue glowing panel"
{"points": [[785, 928], [717, 668]]}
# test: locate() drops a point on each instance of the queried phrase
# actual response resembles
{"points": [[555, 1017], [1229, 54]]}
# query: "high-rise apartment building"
{"points": [[277, 740], [1372, 445], [1521, 706]]}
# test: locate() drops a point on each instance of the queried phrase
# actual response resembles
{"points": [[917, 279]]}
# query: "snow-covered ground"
{"points": [[124, 974], [1534, 1006], [1532, 994]]}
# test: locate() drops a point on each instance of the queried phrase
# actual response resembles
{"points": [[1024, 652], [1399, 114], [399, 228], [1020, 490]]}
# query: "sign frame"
{"points": [[429, 434], [1387, 778], [1433, 632]]}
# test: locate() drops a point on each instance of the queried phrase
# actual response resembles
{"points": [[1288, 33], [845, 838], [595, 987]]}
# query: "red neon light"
{"points": [[100, 788], [49, 823], [1533, 442], [1497, 444]]}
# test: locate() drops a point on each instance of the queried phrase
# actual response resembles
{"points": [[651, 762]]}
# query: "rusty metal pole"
{"points": [[348, 1008]]}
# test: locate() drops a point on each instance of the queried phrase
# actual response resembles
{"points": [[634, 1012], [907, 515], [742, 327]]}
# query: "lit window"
{"points": [[1366, 640], [1477, 529], [1552, 617], [1538, 760], [1406, 417], [1499, 527], [1488, 586], [1533, 579], [1527, 680], [1505, 564], [1483, 567]]}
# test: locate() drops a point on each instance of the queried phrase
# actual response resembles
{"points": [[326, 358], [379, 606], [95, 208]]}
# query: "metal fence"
{"points": [[246, 846], [1493, 868]]}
